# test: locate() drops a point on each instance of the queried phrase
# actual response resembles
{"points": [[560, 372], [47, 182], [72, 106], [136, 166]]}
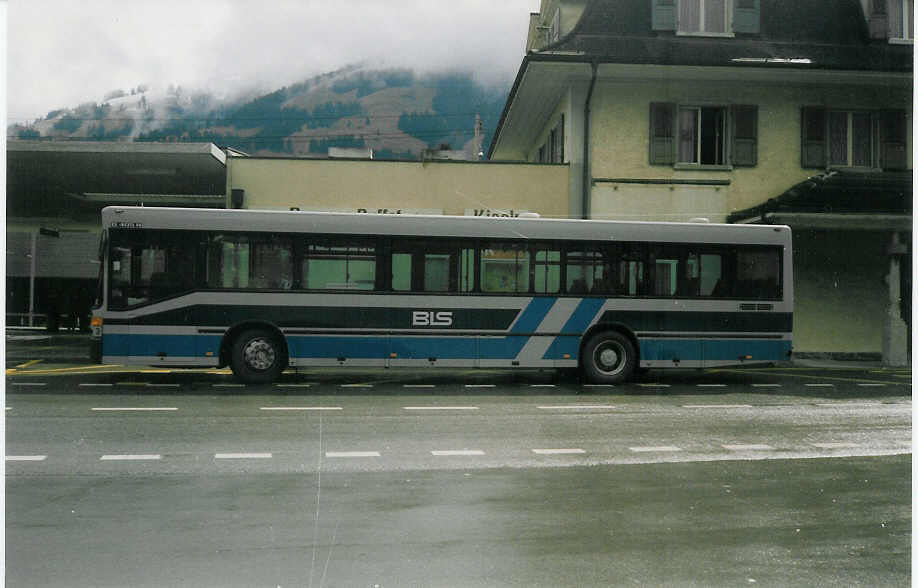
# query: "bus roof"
{"points": [[230, 220]]}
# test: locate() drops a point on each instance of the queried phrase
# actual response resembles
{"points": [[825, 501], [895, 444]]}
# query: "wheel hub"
{"points": [[259, 354]]}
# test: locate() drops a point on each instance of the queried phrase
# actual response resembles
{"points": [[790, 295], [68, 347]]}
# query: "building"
{"points": [[740, 111], [55, 192]]}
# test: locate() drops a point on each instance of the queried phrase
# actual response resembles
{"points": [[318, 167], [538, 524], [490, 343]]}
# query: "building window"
{"points": [[853, 138], [902, 19], [704, 16], [703, 135], [552, 151]]}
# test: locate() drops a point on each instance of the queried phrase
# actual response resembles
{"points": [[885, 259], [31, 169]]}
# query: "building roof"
{"points": [[51, 178], [839, 199]]}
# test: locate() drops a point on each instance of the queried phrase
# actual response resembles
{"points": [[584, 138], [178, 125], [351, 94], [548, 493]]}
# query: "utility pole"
{"points": [[478, 153]]}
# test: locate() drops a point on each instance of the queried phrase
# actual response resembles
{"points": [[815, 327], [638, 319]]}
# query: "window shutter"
{"points": [[746, 16], [893, 148], [745, 135], [664, 15], [813, 137], [662, 133]]}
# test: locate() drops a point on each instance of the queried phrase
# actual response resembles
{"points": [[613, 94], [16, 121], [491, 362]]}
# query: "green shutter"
{"points": [[664, 15], [813, 137], [744, 150], [893, 138], [746, 16], [662, 133]]}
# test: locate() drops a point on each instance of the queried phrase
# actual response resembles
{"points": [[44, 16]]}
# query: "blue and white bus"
{"points": [[261, 291]]}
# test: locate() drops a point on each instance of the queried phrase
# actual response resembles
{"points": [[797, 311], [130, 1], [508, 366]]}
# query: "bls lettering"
{"points": [[430, 318]]}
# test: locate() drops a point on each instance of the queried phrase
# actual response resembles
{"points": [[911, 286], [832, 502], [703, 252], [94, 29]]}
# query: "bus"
{"points": [[263, 291]]}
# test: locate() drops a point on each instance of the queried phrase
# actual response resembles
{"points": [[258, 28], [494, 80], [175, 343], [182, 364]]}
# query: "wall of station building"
{"points": [[431, 187]]}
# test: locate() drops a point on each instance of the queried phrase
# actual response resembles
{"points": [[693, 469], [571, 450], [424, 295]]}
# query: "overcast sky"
{"points": [[65, 52]]}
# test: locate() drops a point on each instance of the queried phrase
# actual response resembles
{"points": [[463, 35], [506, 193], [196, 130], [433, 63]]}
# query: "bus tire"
{"points": [[257, 357], [609, 358]]}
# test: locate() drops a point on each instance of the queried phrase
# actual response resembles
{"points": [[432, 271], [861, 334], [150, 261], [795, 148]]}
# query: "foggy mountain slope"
{"points": [[395, 112]]}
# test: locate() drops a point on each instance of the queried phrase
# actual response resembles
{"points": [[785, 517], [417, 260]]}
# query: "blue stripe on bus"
{"points": [[568, 343], [533, 315]]}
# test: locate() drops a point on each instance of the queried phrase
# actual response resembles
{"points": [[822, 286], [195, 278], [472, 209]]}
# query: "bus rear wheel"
{"points": [[257, 357], [609, 358]]}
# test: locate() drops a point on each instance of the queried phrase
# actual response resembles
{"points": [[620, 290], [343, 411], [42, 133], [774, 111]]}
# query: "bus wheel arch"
{"points": [[609, 354], [256, 351]]}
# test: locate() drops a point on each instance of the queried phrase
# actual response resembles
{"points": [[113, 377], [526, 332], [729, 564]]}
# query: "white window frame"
{"points": [[701, 32], [872, 157], [721, 138], [906, 27]]}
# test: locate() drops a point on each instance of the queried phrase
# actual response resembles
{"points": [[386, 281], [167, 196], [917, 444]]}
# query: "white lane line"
{"points": [[749, 447], [558, 451], [652, 449], [356, 386], [26, 457], [455, 452], [836, 445], [541, 385], [716, 406], [575, 407], [133, 408], [711, 385], [164, 385], [419, 385], [480, 385], [294, 408], [819, 385], [440, 408], [30, 383], [871, 385], [654, 385], [132, 457], [97, 385], [847, 404], [597, 385], [351, 454], [294, 385], [228, 385], [243, 456]]}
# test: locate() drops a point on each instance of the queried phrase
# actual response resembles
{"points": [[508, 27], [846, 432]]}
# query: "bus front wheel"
{"points": [[609, 358], [257, 357]]}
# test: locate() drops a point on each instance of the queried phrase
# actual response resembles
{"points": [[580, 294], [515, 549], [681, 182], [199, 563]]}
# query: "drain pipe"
{"points": [[587, 175]]}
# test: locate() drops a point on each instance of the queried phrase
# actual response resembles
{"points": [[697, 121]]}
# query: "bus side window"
{"points": [[504, 267]]}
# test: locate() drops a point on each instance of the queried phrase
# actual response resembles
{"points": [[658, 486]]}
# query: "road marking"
{"points": [[455, 452], [70, 369], [301, 408], [351, 454], [871, 385], [575, 407], [654, 385], [655, 448], [419, 385], [228, 385], [766, 385], [293, 385], [243, 456], [597, 385], [440, 408], [131, 457], [26, 457], [356, 386], [28, 363], [783, 374], [847, 404], [164, 385], [750, 447], [835, 445], [133, 408], [558, 451], [30, 383], [480, 385], [98, 385], [716, 406], [156, 371], [541, 385], [820, 385], [711, 385]]}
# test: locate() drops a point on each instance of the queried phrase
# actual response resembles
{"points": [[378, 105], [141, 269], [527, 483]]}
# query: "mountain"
{"points": [[396, 112]]}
